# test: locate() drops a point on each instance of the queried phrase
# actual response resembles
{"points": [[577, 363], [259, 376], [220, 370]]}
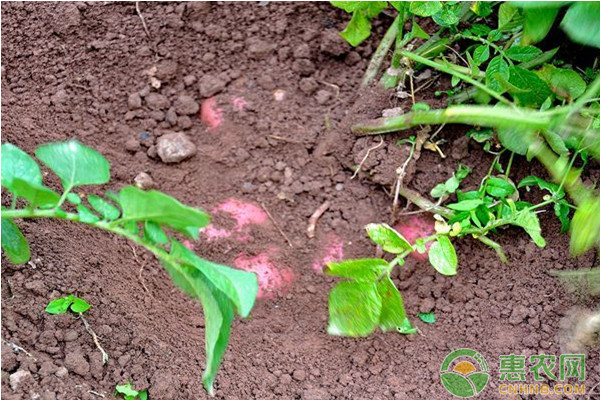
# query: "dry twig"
{"points": [[287, 239]]}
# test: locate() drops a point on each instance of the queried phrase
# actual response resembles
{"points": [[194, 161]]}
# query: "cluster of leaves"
{"points": [[368, 299], [129, 393], [66, 303], [145, 217]]}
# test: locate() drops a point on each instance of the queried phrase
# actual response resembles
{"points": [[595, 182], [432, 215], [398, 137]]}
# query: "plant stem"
{"points": [[487, 116], [382, 51]]}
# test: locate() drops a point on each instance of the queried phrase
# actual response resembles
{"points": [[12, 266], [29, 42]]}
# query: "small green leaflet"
{"points": [[154, 234], [388, 238], [103, 207], [529, 221], [354, 309], [62, 305], [497, 71], [18, 164], [362, 270], [359, 27], [36, 194], [14, 244], [567, 83], [425, 8], [450, 186], [74, 163], [129, 393], [481, 54], [465, 205], [498, 187], [428, 318], [538, 22], [442, 256], [392, 307], [523, 53]]}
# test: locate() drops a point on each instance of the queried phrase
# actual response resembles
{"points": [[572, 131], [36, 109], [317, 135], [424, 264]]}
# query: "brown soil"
{"points": [[68, 71]]}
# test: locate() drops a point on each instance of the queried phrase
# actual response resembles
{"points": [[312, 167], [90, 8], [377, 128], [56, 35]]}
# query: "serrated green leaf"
{"points": [[60, 305], [567, 83], [537, 24], [581, 23], [18, 164], [425, 8], [35, 194], [392, 307], [481, 54], [86, 215], [14, 244], [362, 270], [442, 256], [388, 238], [497, 68], [218, 315], [357, 30], [79, 305], [585, 226], [533, 91], [448, 16], [465, 205], [523, 53], [140, 205], [428, 318], [498, 187], [103, 207], [354, 309], [240, 286], [74, 163]]}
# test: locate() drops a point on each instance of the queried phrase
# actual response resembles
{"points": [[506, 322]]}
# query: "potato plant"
{"points": [[528, 103], [151, 219]]}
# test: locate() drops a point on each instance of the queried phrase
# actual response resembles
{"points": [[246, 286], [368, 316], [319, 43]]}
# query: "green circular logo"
{"points": [[459, 373]]}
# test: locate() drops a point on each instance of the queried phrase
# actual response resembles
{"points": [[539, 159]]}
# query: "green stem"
{"points": [[382, 51], [449, 70], [492, 117]]}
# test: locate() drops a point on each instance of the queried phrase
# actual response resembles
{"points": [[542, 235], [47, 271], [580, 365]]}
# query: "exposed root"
{"points": [[89, 329], [16, 348], [312, 221], [362, 162], [287, 239]]}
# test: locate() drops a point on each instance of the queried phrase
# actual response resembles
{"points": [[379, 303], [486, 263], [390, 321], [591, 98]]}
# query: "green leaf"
{"points": [[14, 244], [452, 184], [498, 187], [129, 393], [481, 8], [354, 309], [363, 270], [537, 24], [425, 8], [529, 221], [581, 23], [218, 315], [18, 164], [448, 16], [154, 234], [481, 135], [481, 54], [418, 32], [585, 226], [533, 91], [406, 328], [107, 210], [428, 318], [86, 215], [392, 307], [532, 180], [465, 205], [562, 210], [74, 163], [507, 13], [567, 83], [60, 305], [556, 142], [73, 198], [523, 53], [240, 286], [497, 70], [442, 256], [516, 140], [140, 205], [388, 238], [79, 305], [35, 194], [357, 30]]}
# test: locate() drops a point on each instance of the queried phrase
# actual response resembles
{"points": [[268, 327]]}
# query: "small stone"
{"points": [[61, 372], [285, 379], [71, 336], [209, 85], [48, 396], [157, 101], [134, 101], [171, 116], [21, 377], [339, 187], [323, 97], [132, 145], [144, 181], [184, 122], [259, 49], [47, 368], [279, 95], [248, 187], [311, 289], [157, 115], [299, 375], [175, 147], [185, 105], [308, 85], [189, 80], [76, 362], [152, 153], [352, 58]]}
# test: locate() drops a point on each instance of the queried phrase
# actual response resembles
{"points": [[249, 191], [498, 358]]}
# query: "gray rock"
{"points": [[175, 147], [21, 377], [186, 105], [157, 101], [61, 372], [144, 181], [209, 85]]}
